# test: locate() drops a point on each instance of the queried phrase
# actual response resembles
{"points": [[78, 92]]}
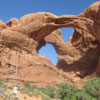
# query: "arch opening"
{"points": [[66, 33], [49, 52]]}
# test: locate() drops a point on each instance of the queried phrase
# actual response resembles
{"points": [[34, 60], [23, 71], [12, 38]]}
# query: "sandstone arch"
{"points": [[21, 39]]}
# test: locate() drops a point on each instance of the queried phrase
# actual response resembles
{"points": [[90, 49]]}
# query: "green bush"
{"points": [[48, 90], [46, 98], [2, 90], [25, 90], [8, 97], [35, 93], [1, 81], [33, 87], [30, 89], [26, 84], [81, 95], [92, 87], [64, 91]]}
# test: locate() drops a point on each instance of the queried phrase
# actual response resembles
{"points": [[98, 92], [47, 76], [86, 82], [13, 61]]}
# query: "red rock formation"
{"points": [[81, 52], [21, 39]]}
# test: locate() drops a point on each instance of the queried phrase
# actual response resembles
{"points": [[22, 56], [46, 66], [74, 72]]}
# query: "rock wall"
{"points": [[21, 39], [81, 52]]}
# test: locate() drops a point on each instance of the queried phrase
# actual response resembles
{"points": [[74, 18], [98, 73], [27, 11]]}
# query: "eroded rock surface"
{"points": [[81, 52], [21, 39]]}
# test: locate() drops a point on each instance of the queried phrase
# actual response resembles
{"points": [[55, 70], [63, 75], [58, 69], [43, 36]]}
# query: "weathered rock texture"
{"points": [[21, 39], [81, 52]]}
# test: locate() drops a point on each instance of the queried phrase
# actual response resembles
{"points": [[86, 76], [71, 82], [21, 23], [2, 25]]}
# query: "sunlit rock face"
{"points": [[82, 51], [21, 39]]}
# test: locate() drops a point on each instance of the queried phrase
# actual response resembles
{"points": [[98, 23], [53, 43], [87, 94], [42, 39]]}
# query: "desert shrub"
{"points": [[3, 88], [45, 98], [64, 91], [26, 84], [2, 91], [36, 93], [9, 87], [29, 89], [33, 87], [8, 97], [92, 87], [48, 90], [5, 80], [1, 81], [80, 95], [26, 89]]}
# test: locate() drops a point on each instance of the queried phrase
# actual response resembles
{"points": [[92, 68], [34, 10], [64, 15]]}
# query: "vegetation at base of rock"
{"points": [[63, 91], [80, 95], [31, 90], [25, 98], [92, 87], [2, 89], [46, 98], [48, 90]]}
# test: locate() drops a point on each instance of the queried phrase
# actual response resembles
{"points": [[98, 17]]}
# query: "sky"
{"points": [[18, 8]]}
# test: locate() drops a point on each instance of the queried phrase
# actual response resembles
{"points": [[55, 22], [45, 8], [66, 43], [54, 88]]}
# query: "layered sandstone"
{"points": [[21, 39]]}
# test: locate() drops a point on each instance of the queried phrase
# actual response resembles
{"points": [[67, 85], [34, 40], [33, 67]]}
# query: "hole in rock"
{"points": [[49, 52], [66, 33]]}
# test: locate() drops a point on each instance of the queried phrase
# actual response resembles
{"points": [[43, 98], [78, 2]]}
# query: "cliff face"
{"points": [[81, 52], [21, 39]]}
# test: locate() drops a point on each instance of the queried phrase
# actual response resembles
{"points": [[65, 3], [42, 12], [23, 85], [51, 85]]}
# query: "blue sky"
{"points": [[17, 8]]}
